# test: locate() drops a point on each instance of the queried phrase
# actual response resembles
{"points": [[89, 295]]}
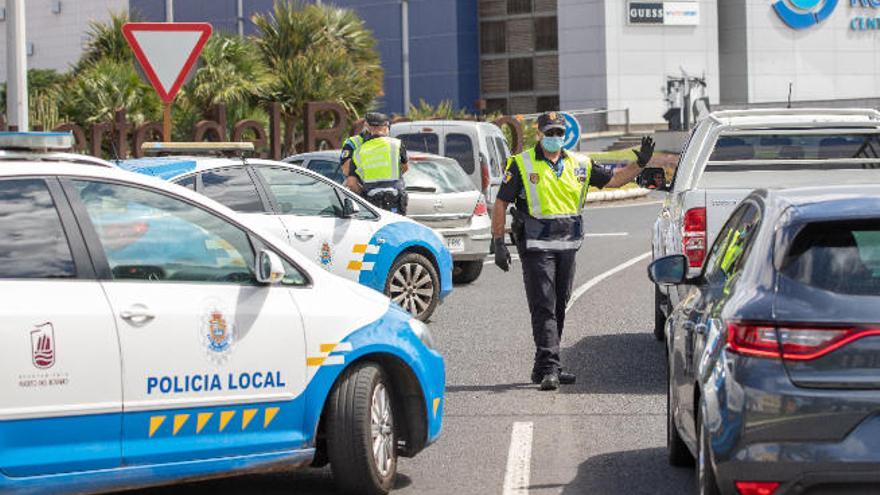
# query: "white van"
{"points": [[479, 147]]}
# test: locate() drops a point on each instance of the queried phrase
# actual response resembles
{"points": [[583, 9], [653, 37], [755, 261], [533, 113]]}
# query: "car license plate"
{"points": [[455, 243]]}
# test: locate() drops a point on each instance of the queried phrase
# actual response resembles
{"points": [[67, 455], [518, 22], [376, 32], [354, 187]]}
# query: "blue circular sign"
{"points": [[802, 14], [805, 4], [572, 131]]}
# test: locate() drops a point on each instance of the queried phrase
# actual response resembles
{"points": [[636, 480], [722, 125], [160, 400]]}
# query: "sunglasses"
{"points": [[554, 133]]}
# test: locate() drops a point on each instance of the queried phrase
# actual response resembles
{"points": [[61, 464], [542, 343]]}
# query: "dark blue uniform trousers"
{"points": [[548, 277]]}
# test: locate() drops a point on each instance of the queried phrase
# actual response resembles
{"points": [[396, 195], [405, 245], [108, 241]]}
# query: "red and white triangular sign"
{"points": [[167, 51]]}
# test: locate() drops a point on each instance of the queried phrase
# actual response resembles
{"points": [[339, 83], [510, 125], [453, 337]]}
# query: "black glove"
{"points": [[502, 255], [643, 156]]}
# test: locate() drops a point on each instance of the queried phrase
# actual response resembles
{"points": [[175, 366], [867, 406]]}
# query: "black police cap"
{"points": [[376, 118], [551, 120]]}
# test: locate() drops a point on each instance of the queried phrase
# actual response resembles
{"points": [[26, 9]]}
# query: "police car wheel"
{"points": [[361, 441], [466, 272], [413, 283]]}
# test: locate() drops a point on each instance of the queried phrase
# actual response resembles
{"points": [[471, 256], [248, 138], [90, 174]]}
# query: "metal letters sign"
{"points": [[646, 13]]}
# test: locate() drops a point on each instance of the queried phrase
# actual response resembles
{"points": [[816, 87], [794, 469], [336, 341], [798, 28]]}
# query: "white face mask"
{"points": [[552, 143]]}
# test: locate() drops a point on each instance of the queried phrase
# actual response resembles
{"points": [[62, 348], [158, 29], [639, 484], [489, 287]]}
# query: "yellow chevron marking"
{"points": [[225, 417], [359, 248], [327, 348], [202, 420], [179, 421], [269, 415], [355, 265], [246, 417], [155, 423], [315, 361], [436, 405]]}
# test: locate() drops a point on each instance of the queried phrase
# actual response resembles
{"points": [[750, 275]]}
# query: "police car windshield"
{"points": [[797, 145], [440, 174]]}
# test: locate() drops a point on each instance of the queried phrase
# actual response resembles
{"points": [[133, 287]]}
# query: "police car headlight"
{"points": [[422, 332]]}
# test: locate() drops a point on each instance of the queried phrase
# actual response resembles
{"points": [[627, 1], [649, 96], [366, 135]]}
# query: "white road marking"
{"points": [[513, 257], [607, 234], [519, 459], [648, 203], [580, 291]]}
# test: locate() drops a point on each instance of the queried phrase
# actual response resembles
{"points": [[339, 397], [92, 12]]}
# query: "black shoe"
{"points": [[567, 378], [536, 377], [550, 382]]}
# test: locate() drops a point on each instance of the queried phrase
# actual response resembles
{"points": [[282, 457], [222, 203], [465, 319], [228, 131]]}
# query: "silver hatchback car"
{"points": [[441, 196]]}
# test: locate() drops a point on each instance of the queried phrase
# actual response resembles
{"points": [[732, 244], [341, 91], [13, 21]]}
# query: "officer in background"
{"points": [[373, 164], [548, 187]]}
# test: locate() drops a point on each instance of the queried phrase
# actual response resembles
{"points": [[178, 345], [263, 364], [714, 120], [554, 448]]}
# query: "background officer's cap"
{"points": [[376, 118], [551, 120]]}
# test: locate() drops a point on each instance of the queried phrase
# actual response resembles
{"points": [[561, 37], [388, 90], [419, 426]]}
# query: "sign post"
{"points": [[167, 52]]}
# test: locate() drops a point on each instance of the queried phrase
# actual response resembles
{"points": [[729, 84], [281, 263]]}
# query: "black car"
{"points": [[774, 354]]}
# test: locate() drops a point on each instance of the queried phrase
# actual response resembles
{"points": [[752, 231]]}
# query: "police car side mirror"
{"points": [[668, 270], [270, 268], [349, 208], [653, 178]]}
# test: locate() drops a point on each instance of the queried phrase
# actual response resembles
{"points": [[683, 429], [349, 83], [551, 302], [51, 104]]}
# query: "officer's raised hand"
{"points": [[645, 152], [502, 255]]}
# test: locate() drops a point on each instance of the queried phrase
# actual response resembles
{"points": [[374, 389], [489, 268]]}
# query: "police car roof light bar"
{"points": [[231, 148], [36, 141]]}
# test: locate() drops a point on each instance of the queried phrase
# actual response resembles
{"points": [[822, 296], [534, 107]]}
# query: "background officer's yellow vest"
{"points": [[378, 160], [553, 222], [549, 196]]}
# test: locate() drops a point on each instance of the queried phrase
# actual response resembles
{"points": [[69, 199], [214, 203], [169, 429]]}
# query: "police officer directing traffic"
{"points": [[373, 164], [548, 187]]}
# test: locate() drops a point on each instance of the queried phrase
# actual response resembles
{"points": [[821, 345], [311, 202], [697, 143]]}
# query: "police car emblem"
{"points": [[218, 332], [43, 346], [326, 255], [534, 178]]}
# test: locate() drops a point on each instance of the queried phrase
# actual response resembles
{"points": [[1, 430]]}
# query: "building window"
{"points": [[521, 74], [496, 105], [548, 103], [492, 37], [546, 35], [519, 6]]}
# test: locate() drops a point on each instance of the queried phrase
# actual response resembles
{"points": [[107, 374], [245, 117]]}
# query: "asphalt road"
{"points": [[603, 435]]}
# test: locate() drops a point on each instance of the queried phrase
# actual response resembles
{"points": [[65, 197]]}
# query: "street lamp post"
{"points": [[404, 28], [16, 66]]}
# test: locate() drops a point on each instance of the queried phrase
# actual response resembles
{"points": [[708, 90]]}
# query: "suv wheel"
{"points": [[706, 484], [413, 283], [659, 316], [466, 272], [361, 442]]}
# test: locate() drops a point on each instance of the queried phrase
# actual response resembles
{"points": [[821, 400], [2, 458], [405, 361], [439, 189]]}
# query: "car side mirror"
{"points": [[270, 268], [653, 178], [349, 207], [669, 270]]}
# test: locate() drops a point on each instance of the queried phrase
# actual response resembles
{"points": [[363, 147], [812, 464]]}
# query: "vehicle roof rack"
{"points": [[36, 141], [757, 112], [231, 148]]}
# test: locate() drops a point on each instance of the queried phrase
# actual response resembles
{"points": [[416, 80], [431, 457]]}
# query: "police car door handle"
{"points": [[304, 234], [138, 315]]}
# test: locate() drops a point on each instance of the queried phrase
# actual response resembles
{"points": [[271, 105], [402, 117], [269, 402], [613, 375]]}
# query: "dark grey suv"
{"points": [[774, 352]]}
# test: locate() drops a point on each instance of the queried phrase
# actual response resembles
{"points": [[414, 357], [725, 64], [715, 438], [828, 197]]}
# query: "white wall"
{"points": [[58, 38], [582, 54], [641, 57], [825, 62]]}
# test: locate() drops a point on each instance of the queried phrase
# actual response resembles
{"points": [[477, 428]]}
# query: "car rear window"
{"points": [[444, 175], [842, 257], [796, 146], [426, 142], [330, 169], [460, 148]]}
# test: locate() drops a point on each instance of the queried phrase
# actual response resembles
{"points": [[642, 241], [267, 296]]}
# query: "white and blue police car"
{"points": [[150, 335], [330, 225]]}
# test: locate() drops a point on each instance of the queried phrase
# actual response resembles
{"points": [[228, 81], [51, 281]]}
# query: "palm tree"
{"points": [[318, 53], [105, 41], [105, 86]]}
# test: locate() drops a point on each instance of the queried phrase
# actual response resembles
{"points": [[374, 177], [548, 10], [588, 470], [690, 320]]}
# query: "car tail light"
{"points": [[481, 209], [757, 487], [791, 342], [694, 238]]}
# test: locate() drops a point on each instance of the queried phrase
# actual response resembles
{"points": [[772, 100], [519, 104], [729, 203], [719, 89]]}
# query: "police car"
{"points": [[150, 335], [327, 223]]}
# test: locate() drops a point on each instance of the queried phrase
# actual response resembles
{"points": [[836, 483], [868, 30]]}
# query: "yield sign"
{"points": [[167, 51]]}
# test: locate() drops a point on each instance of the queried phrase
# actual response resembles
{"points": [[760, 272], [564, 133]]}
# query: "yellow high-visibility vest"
{"points": [[377, 160]]}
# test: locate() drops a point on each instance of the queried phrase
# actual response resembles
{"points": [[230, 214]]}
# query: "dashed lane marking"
{"points": [[519, 459], [580, 291]]}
